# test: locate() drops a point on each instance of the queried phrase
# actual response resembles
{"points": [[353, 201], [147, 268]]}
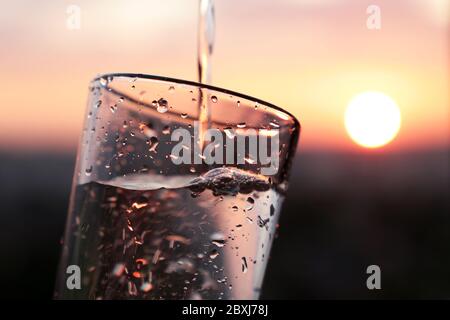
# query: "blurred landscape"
{"points": [[344, 212]]}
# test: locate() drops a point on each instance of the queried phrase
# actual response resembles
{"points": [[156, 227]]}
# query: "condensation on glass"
{"points": [[140, 226]]}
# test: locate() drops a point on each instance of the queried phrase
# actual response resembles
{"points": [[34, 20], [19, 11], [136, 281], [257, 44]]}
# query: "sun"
{"points": [[372, 119]]}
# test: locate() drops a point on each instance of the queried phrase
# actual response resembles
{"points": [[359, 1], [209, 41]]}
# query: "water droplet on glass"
{"points": [[103, 81], [214, 99], [88, 171], [147, 130], [251, 202], [274, 124], [262, 222], [229, 132], [218, 243], [244, 265], [272, 210], [249, 160], [153, 144], [161, 105], [218, 239], [138, 206], [214, 254]]}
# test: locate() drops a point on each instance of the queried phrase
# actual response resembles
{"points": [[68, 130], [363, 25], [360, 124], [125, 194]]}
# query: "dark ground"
{"points": [[343, 213]]}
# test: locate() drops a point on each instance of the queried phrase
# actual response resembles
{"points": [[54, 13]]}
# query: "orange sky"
{"points": [[307, 56]]}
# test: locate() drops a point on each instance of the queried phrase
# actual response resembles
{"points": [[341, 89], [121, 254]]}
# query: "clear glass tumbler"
{"points": [[166, 207]]}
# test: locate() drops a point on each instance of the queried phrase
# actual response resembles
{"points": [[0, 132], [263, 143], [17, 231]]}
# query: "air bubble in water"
{"points": [[146, 287], [166, 130], [241, 125], [118, 269], [132, 290], [98, 103], [272, 210], [214, 99], [184, 115]]}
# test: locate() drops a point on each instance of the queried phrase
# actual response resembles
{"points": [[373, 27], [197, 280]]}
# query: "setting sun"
{"points": [[372, 119]]}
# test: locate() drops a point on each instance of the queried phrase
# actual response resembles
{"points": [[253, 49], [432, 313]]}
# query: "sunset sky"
{"points": [[309, 57]]}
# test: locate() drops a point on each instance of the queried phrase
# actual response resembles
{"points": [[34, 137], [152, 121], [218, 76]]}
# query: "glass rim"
{"points": [[199, 85]]}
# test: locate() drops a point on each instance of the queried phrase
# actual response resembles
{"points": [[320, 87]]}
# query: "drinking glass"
{"points": [[164, 206]]}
